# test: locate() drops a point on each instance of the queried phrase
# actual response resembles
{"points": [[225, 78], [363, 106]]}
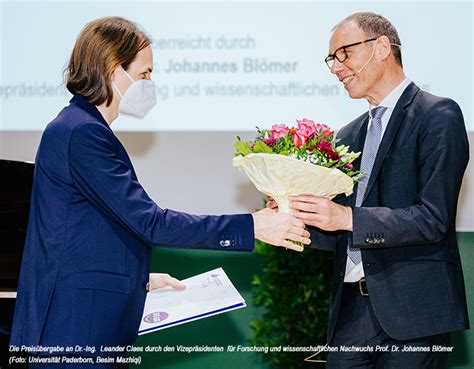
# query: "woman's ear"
{"points": [[116, 72], [117, 76]]}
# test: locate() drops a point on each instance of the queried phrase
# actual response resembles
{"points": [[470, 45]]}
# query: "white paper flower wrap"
{"points": [[281, 176]]}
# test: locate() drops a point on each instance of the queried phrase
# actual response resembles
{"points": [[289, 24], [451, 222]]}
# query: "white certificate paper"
{"points": [[205, 295]]}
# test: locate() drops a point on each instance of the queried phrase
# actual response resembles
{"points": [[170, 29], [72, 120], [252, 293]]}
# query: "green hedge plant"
{"points": [[294, 291]]}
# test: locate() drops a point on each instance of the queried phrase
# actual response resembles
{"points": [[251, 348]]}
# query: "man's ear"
{"points": [[384, 47]]}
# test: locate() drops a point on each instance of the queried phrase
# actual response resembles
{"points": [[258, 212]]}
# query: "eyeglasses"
{"points": [[341, 54]]}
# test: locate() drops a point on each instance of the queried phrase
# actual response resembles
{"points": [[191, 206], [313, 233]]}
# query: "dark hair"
{"points": [[100, 48], [375, 25]]}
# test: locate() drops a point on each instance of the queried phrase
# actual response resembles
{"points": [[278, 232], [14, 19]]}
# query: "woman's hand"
{"points": [[280, 229], [159, 280]]}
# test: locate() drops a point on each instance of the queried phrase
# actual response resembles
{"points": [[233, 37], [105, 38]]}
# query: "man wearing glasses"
{"points": [[398, 288]]}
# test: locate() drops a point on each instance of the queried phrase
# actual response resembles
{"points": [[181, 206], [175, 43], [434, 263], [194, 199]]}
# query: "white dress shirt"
{"points": [[354, 272]]}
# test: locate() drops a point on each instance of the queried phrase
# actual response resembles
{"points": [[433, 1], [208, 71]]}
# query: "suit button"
{"points": [[341, 274], [225, 243]]}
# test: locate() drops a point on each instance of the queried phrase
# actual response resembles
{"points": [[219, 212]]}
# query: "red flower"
{"points": [[324, 129], [326, 148], [299, 140], [270, 141], [349, 166]]}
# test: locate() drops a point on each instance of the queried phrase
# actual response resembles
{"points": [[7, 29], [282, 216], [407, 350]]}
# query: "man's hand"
{"points": [[277, 228], [159, 280], [321, 212]]}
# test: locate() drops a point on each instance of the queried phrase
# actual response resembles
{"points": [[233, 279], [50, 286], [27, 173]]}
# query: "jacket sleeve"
{"points": [[443, 153], [110, 184], [323, 240]]}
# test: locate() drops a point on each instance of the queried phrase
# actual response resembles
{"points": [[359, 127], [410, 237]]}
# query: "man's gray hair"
{"points": [[374, 25]]}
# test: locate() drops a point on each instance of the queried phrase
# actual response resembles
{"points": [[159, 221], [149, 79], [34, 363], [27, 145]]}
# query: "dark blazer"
{"points": [[406, 224], [90, 232]]}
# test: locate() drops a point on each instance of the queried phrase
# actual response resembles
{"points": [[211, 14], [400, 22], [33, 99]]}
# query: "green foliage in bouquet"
{"points": [[294, 290]]}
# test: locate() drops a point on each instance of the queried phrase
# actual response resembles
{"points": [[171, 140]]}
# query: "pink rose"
{"points": [[305, 122], [279, 130], [306, 128]]}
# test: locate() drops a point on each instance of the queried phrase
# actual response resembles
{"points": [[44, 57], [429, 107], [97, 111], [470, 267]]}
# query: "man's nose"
{"points": [[337, 66]]}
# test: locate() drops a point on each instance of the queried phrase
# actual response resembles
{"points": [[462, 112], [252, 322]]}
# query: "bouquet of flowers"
{"points": [[305, 160]]}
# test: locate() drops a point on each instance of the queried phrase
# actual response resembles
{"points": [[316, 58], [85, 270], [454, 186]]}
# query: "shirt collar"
{"points": [[392, 98], [84, 104]]}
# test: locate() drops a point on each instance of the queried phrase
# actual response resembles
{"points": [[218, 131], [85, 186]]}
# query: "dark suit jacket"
{"points": [[91, 227], [406, 224]]}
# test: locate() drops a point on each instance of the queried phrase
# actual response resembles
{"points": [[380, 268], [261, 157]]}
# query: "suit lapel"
{"points": [[358, 146], [391, 131], [359, 141], [354, 137]]}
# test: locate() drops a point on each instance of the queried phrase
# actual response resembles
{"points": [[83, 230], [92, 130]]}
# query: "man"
{"points": [[397, 280]]}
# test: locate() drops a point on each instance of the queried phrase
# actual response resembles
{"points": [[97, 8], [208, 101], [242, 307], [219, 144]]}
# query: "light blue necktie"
{"points": [[371, 147]]}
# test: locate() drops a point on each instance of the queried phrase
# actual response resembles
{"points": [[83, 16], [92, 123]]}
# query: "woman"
{"points": [[87, 254]]}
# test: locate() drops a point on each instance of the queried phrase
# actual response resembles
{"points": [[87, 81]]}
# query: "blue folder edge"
{"points": [[214, 312]]}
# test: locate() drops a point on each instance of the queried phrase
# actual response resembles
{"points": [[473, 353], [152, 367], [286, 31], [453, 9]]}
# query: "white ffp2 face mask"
{"points": [[139, 98]]}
